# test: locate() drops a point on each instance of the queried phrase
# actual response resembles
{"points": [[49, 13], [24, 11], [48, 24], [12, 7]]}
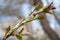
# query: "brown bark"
{"points": [[45, 25]]}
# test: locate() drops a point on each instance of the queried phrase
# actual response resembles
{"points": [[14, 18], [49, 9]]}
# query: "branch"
{"points": [[22, 22], [29, 19]]}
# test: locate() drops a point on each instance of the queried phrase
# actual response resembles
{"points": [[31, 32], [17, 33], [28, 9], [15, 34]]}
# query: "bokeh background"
{"points": [[12, 11]]}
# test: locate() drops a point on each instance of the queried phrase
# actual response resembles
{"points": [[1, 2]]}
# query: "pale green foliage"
{"points": [[21, 31], [19, 37]]}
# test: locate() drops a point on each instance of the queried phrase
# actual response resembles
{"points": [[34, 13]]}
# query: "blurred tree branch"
{"points": [[48, 30]]}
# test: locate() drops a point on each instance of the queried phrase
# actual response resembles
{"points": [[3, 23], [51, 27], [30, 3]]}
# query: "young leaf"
{"points": [[7, 30], [24, 34], [46, 11], [21, 31], [19, 37], [38, 6], [48, 8]]}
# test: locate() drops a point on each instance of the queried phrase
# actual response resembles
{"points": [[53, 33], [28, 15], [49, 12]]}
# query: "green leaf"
{"points": [[24, 34], [36, 17], [7, 30], [21, 31], [19, 37]]}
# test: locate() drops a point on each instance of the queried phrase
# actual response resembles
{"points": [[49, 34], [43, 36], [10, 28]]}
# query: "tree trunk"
{"points": [[45, 25]]}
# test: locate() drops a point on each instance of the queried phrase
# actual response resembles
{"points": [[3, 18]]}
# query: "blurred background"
{"points": [[12, 11]]}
